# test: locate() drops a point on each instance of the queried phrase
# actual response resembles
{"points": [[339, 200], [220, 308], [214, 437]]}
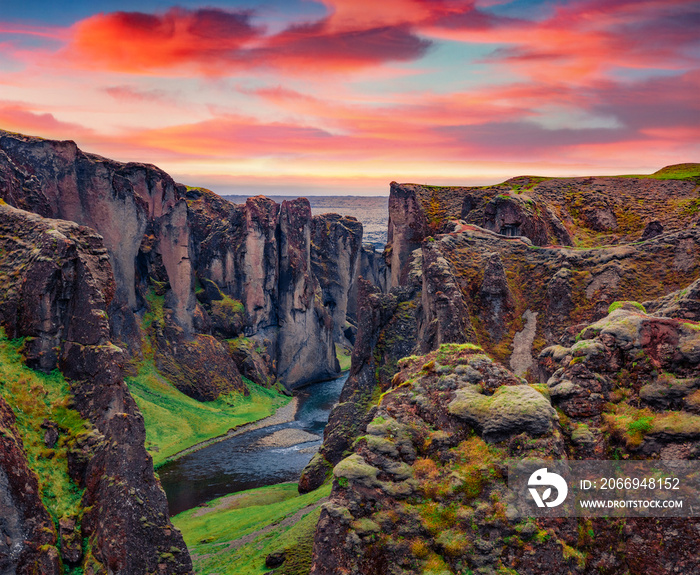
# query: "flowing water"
{"points": [[256, 458]]}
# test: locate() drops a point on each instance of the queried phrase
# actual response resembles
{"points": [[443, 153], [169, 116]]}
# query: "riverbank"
{"points": [[176, 423], [271, 451], [283, 414]]}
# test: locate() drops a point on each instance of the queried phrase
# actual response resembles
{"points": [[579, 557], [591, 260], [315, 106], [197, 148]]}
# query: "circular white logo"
{"points": [[544, 478]]}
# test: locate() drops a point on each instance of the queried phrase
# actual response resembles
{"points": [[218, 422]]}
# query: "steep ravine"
{"points": [[540, 317], [113, 272]]}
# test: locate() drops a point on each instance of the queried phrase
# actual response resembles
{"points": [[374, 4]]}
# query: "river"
{"points": [[256, 458]]}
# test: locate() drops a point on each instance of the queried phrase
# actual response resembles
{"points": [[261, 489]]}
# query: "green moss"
{"points": [[572, 554], [35, 396], [227, 306], [618, 304], [175, 421], [264, 516]]}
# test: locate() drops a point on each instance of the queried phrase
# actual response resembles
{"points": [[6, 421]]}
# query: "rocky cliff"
{"points": [[224, 271], [106, 267], [521, 344], [57, 289]]}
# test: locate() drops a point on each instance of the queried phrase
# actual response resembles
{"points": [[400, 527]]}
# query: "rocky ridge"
{"points": [[106, 266], [223, 270], [418, 456]]}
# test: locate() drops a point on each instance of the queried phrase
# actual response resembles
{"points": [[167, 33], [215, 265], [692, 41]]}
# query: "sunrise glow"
{"points": [[343, 96]]}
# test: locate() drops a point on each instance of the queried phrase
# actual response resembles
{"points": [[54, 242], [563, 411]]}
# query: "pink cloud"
{"points": [[21, 118]]}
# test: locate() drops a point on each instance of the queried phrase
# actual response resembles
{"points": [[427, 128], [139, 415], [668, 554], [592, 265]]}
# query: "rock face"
{"points": [[373, 268], [387, 331], [335, 258], [57, 288], [408, 225], [425, 486], [519, 215], [306, 345], [593, 211], [490, 285], [488, 280], [684, 303], [223, 270]]}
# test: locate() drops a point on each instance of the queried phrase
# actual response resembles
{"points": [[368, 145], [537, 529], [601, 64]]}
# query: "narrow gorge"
{"points": [[552, 318]]}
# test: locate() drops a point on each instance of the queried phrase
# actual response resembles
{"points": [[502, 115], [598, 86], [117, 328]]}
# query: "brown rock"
{"points": [[71, 540]]}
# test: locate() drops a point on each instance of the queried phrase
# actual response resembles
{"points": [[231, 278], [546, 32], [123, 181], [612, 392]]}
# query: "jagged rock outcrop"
{"points": [[627, 367], [122, 202], [653, 228], [306, 347], [57, 287], [496, 298], [472, 285], [408, 225], [425, 489], [445, 313], [336, 242], [592, 211], [550, 288], [684, 303], [373, 267], [519, 215], [221, 269], [424, 486], [387, 331]]}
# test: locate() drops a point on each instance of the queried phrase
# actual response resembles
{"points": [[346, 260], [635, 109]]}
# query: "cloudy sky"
{"points": [[343, 96]]}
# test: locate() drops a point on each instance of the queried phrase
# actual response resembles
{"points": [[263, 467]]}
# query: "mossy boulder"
{"points": [[509, 411]]}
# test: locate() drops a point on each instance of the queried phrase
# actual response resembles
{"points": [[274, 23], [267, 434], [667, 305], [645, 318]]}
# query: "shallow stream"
{"points": [[255, 458]]}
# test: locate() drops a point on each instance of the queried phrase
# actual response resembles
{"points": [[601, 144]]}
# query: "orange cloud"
{"points": [[587, 40], [216, 42]]}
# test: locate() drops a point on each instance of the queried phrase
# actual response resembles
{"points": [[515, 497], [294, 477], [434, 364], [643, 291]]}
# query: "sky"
{"points": [[344, 96]]}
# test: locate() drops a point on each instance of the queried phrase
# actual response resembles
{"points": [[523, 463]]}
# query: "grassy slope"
{"points": [[213, 533], [344, 356], [175, 421], [35, 396]]}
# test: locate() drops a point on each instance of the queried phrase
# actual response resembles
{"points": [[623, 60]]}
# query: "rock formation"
{"points": [[425, 486], [104, 264], [486, 278], [224, 270], [335, 259], [57, 287]]}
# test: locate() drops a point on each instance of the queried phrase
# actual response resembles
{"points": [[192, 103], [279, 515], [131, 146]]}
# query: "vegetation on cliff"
{"points": [[38, 400], [175, 421]]}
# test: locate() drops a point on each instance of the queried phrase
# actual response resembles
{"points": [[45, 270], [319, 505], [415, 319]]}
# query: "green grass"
{"points": [[208, 531], [35, 396], [344, 355], [674, 172], [175, 421], [618, 304]]}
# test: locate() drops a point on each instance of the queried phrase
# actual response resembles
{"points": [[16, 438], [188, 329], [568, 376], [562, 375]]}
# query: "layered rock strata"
{"points": [[424, 486]]}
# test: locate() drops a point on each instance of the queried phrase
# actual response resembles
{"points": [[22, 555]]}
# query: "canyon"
{"points": [[540, 317]]}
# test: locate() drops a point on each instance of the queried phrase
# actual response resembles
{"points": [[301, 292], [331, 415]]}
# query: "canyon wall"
{"points": [[57, 287], [105, 266], [225, 271], [493, 319]]}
